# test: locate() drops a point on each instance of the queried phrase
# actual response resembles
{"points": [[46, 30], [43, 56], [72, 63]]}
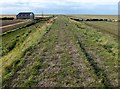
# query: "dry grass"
{"points": [[14, 26], [96, 16], [10, 16]]}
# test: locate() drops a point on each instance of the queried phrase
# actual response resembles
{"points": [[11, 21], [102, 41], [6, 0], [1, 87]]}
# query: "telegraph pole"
{"points": [[42, 13]]}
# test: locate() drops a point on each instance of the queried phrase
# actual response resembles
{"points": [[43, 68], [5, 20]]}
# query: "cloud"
{"points": [[56, 5], [97, 2]]}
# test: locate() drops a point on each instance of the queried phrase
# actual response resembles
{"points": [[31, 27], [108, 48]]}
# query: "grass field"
{"points": [[107, 27], [60, 53], [8, 22], [16, 25], [96, 16], [110, 28]]}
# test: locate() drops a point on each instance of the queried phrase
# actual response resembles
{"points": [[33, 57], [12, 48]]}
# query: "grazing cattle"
{"points": [[94, 19], [114, 20]]}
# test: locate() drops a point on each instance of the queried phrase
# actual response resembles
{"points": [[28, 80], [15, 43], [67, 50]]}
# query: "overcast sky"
{"points": [[60, 6]]}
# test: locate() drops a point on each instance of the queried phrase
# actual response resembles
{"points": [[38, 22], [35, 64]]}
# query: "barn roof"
{"points": [[26, 13]]}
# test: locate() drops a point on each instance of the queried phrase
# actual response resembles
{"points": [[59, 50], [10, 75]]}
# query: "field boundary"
{"points": [[13, 26]]}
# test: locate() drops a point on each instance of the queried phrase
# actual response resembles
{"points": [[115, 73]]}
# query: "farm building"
{"points": [[25, 15]]}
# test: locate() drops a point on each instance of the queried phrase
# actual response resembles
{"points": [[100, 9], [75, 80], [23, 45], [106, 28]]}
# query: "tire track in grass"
{"points": [[104, 59], [47, 78], [76, 66], [44, 74], [79, 62], [63, 65], [91, 57]]}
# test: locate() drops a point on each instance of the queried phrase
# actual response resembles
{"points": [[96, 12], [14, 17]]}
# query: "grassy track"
{"points": [[68, 54]]}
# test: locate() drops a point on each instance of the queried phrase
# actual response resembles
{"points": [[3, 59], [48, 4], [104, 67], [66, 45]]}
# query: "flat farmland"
{"points": [[8, 22], [14, 24], [96, 16], [10, 16], [60, 52], [107, 27]]}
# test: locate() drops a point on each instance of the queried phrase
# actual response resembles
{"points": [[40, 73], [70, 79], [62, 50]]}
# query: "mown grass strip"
{"points": [[89, 45], [31, 40], [98, 71], [63, 66], [32, 64], [12, 38], [112, 32]]}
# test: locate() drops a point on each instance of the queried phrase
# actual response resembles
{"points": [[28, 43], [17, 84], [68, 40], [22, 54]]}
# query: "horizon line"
{"points": [[62, 14]]}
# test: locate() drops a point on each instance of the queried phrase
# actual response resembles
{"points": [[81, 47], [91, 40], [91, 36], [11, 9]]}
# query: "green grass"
{"points": [[24, 43], [104, 46], [96, 16], [107, 27], [66, 53], [110, 28], [12, 38]]}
